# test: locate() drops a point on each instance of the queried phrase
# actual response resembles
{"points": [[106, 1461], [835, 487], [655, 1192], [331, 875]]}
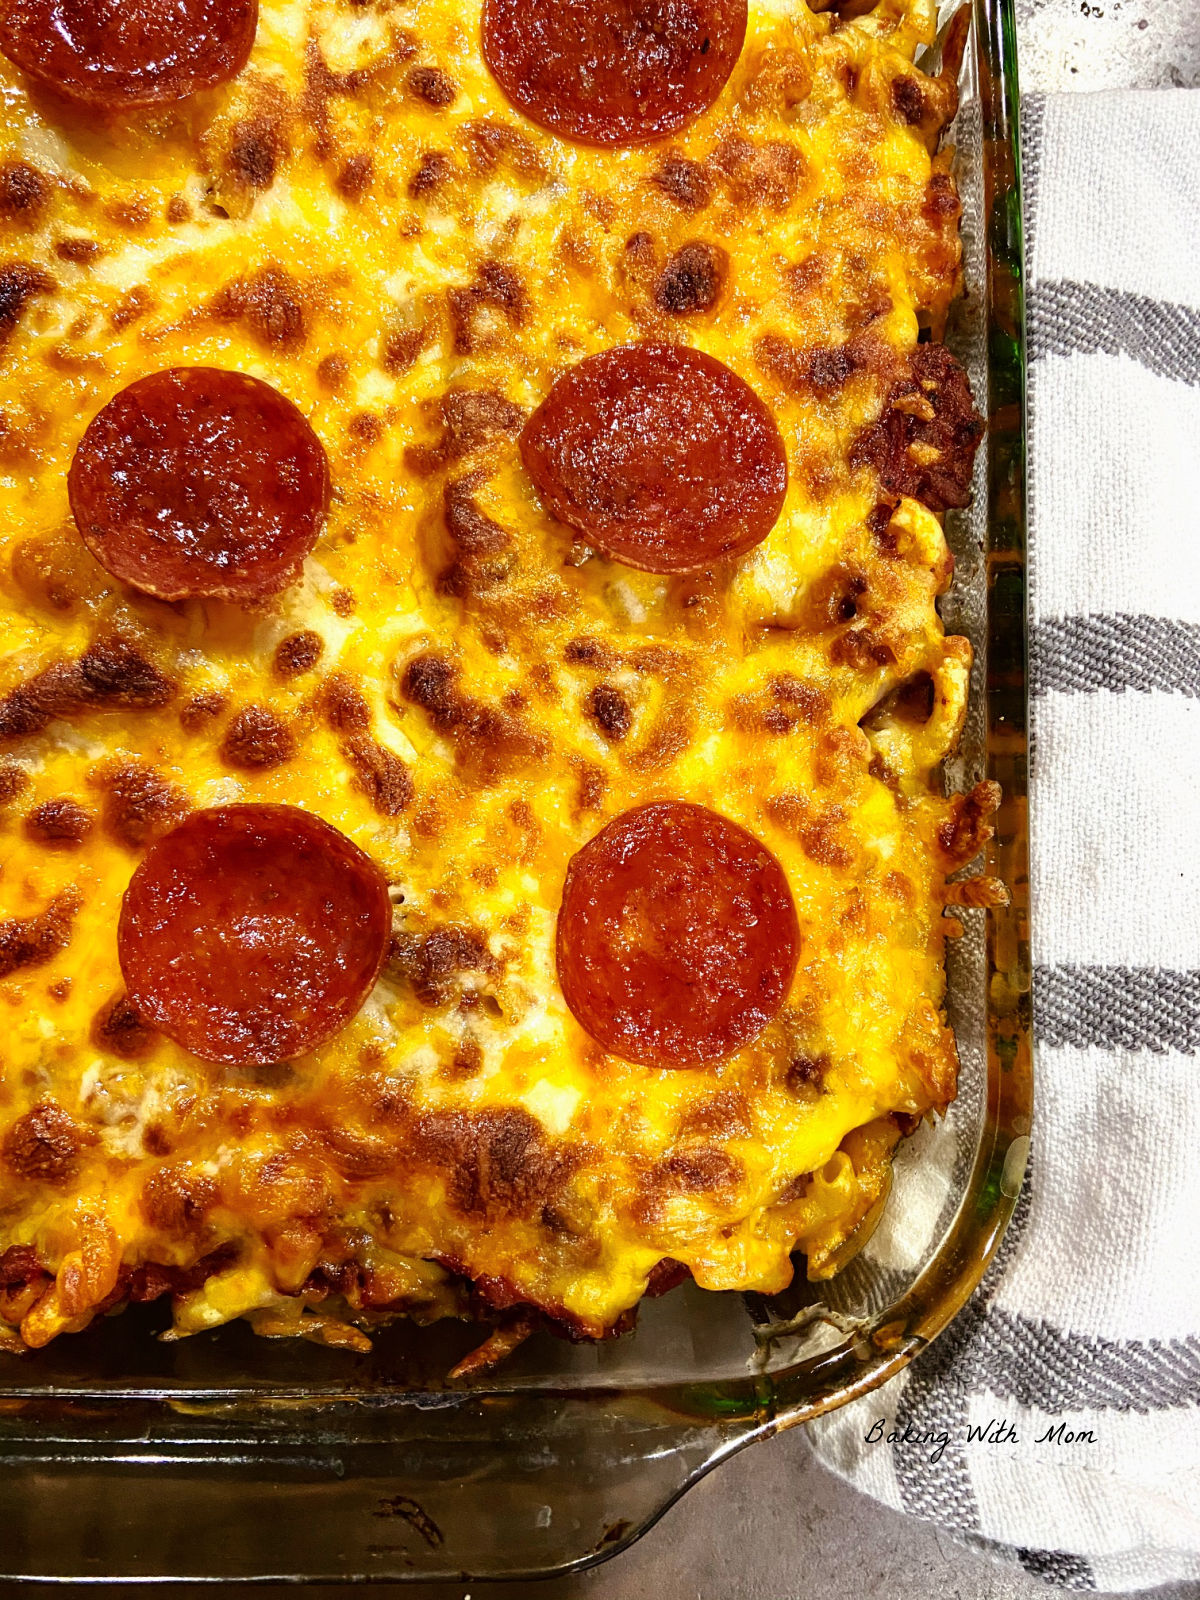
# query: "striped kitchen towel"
{"points": [[1068, 1391]]}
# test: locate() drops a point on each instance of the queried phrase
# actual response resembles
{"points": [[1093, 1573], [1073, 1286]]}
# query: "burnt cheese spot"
{"points": [[765, 175], [434, 963], [365, 427], [641, 255], [942, 206], [589, 652], [62, 822], [24, 192], [14, 781], [269, 304], [685, 182], [472, 530], [132, 215], [433, 170], [489, 742], [44, 1145], [400, 347], [490, 143], [475, 417], [497, 1162], [692, 279], [471, 420], [332, 372], [726, 1114], [969, 827], [81, 252], [819, 371], [19, 1267], [354, 178], [257, 739], [139, 804], [433, 86], [481, 545], [861, 648], [343, 704], [694, 1171], [30, 941], [923, 446], [465, 1063], [201, 709], [110, 675], [837, 596], [297, 654], [120, 1031], [805, 1074], [380, 774], [131, 308], [610, 711], [256, 147], [19, 284], [497, 291], [177, 1198], [113, 673], [908, 99]]}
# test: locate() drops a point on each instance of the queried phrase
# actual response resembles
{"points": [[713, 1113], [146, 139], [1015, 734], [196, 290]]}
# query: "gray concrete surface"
{"points": [[1109, 44]]}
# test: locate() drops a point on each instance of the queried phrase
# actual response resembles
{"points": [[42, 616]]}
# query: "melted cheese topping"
{"points": [[362, 221]]}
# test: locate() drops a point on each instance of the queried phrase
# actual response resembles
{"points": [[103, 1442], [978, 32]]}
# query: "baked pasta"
{"points": [[473, 694]]}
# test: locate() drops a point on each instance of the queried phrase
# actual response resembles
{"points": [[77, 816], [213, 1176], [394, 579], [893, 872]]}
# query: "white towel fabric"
{"points": [[1091, 1315]]}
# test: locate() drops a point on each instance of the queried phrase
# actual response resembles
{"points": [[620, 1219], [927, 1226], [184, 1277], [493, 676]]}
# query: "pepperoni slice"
{"points": [[200, 484], [677, 936], [613, 72], [113, 54], [660, 456], [251, 933]]}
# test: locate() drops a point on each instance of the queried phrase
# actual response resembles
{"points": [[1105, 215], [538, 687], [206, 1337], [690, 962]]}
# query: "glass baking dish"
{"points": [[226, 1456]]}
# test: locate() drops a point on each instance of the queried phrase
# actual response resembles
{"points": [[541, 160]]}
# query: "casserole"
{"points": [[128, 1449]]}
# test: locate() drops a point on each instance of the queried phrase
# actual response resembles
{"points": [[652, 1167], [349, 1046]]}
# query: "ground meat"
{"points": [[924, 444]]}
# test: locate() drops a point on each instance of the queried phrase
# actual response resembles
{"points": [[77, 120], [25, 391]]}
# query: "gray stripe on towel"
{"points": [[1059, 1567], [1118, 1008], [1067, 318], [1016, 1358], [935, 1400], [1081, 654], [1033, 122]]}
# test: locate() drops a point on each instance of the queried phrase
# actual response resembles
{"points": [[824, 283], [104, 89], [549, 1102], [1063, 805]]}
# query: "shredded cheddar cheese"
{"points": [[463, 687]]}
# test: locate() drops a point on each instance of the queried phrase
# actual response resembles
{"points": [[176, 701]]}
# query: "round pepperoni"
{"points": [[613, 72], [251, 933], [677, 936], [660, 456], [112, 54], [200, 484]]}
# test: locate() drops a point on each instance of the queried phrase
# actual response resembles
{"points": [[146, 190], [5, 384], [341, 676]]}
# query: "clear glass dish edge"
{"points": [[104, 1478]]}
